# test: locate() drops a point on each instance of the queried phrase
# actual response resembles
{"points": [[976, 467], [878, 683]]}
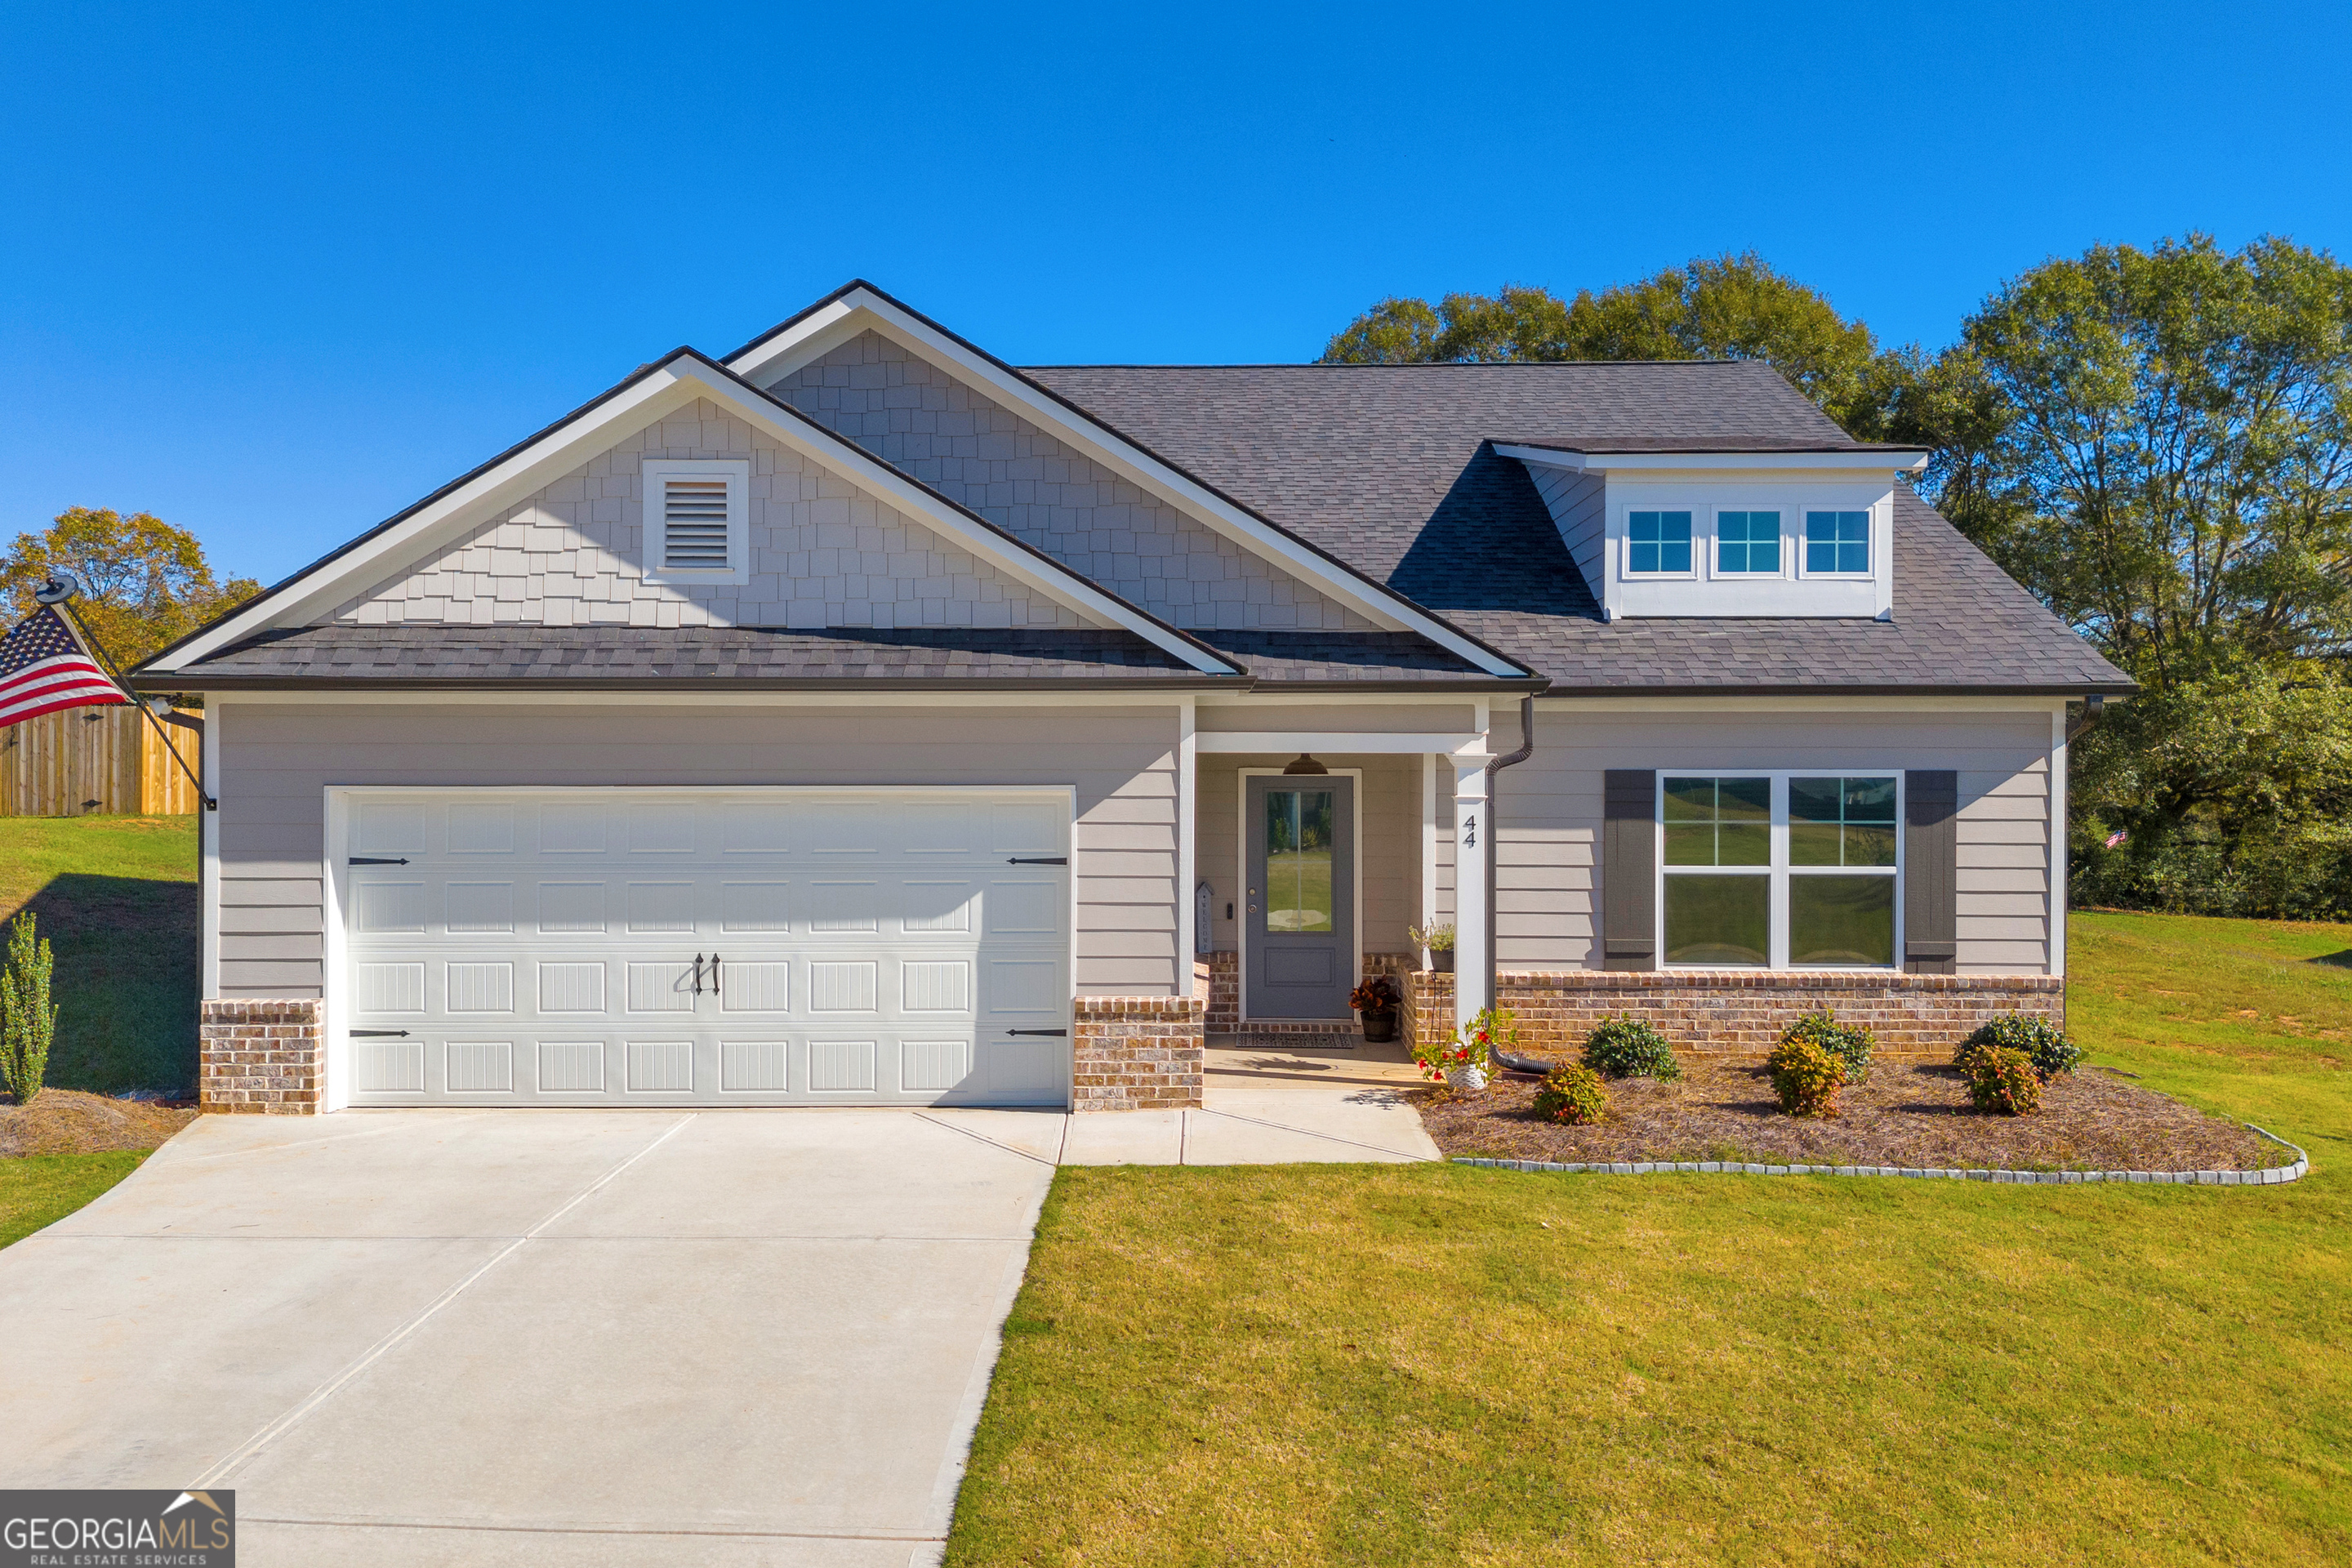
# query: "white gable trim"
{"points": [[675, 383], [861, 309]]}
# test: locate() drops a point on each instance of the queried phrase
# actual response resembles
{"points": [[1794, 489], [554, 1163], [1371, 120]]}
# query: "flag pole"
{"points": [[89, 639]]}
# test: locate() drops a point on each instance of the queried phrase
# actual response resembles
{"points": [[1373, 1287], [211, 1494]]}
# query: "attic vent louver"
{"points": [[698, 520], [694, 525]]}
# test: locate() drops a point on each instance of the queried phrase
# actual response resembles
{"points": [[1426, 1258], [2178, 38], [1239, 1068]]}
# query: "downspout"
{"points": [[1509, 1060]]}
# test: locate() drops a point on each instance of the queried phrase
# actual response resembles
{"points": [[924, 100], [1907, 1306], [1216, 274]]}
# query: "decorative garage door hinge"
{"points": [[1057, 1033], [378, 860], [379, 1034], [1038, 860]]}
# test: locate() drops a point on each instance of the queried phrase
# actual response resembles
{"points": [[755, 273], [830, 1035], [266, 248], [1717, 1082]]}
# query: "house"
{"points": [[858, 719]]}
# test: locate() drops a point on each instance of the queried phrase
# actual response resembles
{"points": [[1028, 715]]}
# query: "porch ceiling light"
{"points": [[1305, 764]]}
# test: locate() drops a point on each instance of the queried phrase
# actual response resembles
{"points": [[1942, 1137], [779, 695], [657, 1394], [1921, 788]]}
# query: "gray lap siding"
{"points": [[1547, 879], [278, 760]]}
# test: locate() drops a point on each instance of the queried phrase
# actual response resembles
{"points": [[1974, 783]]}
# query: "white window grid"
{"points": [[1706, 532], [1778, 870]]}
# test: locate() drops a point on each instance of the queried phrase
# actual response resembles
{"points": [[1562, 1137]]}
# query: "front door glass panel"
{"points": [[1298, 857]]}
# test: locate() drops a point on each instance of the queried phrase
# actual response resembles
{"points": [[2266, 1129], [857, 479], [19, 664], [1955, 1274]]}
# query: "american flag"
{"points": [[44, 668]]}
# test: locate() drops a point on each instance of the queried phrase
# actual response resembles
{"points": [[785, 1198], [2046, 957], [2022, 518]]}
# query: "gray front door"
{"points": [[1301, 954]]}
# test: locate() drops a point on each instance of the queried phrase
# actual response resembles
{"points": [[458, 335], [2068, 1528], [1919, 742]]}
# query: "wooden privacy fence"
{"points": [[90, 760]]}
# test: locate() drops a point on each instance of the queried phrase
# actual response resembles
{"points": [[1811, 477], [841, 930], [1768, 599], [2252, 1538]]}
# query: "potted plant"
{"points": [[1461, 1062], [1439, 940], [1377, 999]]}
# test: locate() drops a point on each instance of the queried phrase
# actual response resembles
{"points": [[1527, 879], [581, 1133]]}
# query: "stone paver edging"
{"points": [[2276, 1176]]}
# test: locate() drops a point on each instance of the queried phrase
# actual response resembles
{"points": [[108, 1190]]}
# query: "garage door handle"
{"points": [[377, 860], [714, 975], [379, 1034], [1057, 1033], [1038, 860], [698, 975]]}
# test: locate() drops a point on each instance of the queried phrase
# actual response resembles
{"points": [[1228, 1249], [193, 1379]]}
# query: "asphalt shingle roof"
{"points": [[1324, 657], [667, 658], [1392, 468]]}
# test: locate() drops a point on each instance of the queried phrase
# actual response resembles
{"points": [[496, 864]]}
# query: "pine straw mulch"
{"points": [[1907, 1115], [67, 1121]]}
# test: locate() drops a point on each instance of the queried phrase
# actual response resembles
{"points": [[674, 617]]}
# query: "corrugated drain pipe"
{"points": [[1509, 1060]]}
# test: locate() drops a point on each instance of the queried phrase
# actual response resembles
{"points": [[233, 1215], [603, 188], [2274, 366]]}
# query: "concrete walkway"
{"points": [[559, 1337], [1270, 1104]]}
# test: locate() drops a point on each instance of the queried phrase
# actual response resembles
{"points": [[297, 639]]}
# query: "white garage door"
{"points": [[706, 947]]}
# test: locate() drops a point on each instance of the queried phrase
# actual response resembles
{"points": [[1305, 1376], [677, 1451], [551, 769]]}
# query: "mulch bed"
{"points": [[1907, 1115], [67, 1121]]}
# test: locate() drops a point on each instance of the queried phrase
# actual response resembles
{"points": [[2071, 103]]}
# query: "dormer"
{"points": [[1721, 532]]}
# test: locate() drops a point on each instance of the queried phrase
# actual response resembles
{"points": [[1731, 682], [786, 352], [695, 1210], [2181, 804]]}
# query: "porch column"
{"points": [[1470, 829]]}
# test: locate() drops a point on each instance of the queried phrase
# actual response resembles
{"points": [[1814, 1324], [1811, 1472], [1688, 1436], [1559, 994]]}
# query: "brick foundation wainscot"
{"points": [[262, 1056], [1136, 1052], [1916, 1018]]}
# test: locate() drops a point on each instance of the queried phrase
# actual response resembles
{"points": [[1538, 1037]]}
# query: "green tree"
{"points": [[2227, 795], [145, 584], [2159, 444], [1725, 306]]}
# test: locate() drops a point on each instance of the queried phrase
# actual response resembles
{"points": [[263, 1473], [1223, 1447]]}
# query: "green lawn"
{"points": [[116, 896], [42, 1189], [1387, 1364]]}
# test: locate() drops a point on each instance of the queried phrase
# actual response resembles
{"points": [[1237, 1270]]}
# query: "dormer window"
{"points": [[1747, 544], [697, 514], [1734, 532], [1658, 542], [1837, 542]]}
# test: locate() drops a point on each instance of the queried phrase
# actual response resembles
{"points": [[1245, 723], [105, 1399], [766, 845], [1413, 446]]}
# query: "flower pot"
{"points": [[1380, 1026], [1441, 959], [1465, 1079]]}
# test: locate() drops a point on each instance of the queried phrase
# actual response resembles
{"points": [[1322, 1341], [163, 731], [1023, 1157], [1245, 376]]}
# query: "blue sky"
{"points": [[274, 273]]}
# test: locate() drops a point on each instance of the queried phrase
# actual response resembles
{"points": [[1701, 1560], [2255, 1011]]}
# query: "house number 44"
{"points": [[1470, 831]]}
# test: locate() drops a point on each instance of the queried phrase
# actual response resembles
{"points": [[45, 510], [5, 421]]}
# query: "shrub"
{"points": [[2004, 1080], [1573, 1096], [1806, 1077], [1378, 995], [27, 1019], [2050, 1049], [1622, 1046], [1849, 1043]]}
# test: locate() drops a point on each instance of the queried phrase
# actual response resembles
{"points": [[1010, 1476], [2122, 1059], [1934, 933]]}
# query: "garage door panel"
{"points": [[664, 985], [755, 1066], [549, 950], [571, 1066], [841, 1065]]}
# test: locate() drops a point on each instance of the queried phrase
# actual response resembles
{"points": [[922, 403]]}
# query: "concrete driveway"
{"points": [[536, 1337], [552, 1336]]}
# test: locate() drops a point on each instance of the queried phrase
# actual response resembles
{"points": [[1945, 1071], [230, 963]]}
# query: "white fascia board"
{"points": [[1335, 743], [679, 382], [822, 330], [1604, 462]]}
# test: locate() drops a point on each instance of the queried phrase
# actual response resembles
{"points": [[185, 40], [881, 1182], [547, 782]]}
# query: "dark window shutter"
{"points": [[1931, 859], [1629, 852]]}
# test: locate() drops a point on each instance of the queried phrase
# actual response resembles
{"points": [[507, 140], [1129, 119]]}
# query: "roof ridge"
{"points": [[1408, 364]]}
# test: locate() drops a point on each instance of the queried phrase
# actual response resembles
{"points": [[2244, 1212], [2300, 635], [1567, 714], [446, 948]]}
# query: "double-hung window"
{"points": [[1748, 543], [1837, 541], [1778, 870], [1658, 541]]}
